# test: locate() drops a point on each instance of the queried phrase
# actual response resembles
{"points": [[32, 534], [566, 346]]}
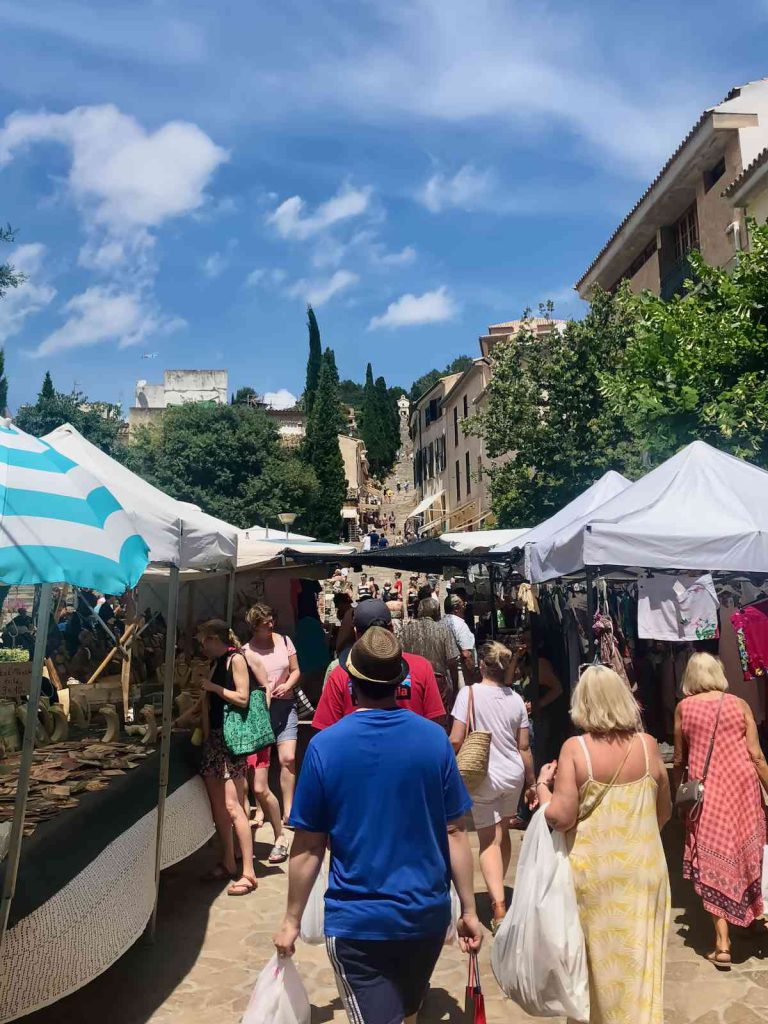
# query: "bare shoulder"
{"points": [[651, 744], [570, 748]]}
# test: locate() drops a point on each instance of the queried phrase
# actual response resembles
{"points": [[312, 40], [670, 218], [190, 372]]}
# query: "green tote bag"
{"points": [[248, 729]]}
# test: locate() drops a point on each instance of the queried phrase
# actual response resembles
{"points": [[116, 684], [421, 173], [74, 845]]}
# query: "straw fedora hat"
{"points": [[377, 657]]}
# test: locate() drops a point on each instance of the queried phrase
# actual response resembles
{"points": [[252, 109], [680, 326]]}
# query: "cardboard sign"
{"points": [[15, 679]]}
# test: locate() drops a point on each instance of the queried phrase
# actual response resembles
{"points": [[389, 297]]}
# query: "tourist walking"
{"points": [[387, 905], [611, 791], [418, 690], [430, 637], [456, 609], [279, 658], [494, 707], [224, 774], [723, 843]]}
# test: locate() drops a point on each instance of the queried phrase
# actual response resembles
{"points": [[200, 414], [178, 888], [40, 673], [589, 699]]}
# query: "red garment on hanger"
{"points": [[752, 622]]}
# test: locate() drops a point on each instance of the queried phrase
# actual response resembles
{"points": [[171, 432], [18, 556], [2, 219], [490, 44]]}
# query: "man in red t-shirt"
{"points": [[418, 692]]}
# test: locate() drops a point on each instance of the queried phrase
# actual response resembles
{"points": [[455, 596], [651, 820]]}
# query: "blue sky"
{"points": [[186, 175]]}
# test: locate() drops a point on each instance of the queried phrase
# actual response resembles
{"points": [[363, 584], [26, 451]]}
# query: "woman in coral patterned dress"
{"points": [[724, 846]]}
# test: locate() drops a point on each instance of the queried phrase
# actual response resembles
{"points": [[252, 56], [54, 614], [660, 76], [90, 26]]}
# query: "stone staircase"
{"points": [[403, 502]]}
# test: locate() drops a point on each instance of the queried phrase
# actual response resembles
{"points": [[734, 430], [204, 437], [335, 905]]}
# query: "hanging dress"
{"points": [[622, 890]]}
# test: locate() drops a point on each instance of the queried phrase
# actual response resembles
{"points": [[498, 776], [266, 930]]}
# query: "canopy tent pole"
{"points": [[165, 743], [27, 752], [591, 609], [230, 598], [492, 584]]}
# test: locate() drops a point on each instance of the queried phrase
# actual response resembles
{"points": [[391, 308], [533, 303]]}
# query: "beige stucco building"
{"points": [[748, 193], [355, 460], [430, 455], [685, 208], [178, 388]]}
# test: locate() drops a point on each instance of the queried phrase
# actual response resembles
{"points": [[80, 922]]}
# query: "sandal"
{"points": [[279, 853], [721, 958], [218, 874], [242, 887]]}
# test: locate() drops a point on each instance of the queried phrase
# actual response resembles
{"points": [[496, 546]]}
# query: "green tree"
{"points": [[314, 361], [322, 452], [390, 422], [697, 366], [99, 422], [546, 417], [47, 391], [373, 428], [3, 384], [9, 276], [225, 458], [243, 395], [427, 380]]}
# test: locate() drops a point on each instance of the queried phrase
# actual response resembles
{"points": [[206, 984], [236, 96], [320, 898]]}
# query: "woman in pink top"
{"points": [[278, 656]]}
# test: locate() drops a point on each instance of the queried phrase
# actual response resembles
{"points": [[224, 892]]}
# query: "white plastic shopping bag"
{"points": [[279, 996], [313, 918], [452, 934], [765, 878], [538, 956]]}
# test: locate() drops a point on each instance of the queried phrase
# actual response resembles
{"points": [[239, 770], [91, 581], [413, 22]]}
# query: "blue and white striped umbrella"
{"points": [[59, 524]]}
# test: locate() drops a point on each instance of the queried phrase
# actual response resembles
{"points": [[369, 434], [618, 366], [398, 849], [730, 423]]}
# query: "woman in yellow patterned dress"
{"points": [[611, 793]]}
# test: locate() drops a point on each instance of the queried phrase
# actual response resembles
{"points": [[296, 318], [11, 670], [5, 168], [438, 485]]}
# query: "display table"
{"points": [[85, 889]]}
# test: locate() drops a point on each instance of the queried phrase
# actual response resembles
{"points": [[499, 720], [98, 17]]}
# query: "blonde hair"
{"points": [[495, 659], [258, 615], [602, 703], [703, 674]]}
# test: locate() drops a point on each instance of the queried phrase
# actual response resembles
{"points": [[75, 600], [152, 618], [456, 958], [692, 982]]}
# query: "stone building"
{"points": [[178, 387]]}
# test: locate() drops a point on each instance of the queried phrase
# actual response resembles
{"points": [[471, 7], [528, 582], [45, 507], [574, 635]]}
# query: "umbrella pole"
{"points": [[27, 752], [492, 600], [165, 743], [230, 598]]}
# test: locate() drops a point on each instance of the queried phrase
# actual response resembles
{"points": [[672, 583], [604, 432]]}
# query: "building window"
{"points": [[642, 259], [714, 174], [468, 473], [687, 233], [456, 426], [458, 480], [466, 407]]}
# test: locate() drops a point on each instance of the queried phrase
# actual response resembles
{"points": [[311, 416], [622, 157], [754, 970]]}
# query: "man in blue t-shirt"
{"points": [[383, 787]]}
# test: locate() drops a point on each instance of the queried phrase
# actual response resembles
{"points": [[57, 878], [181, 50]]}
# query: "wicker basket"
{"points": [[475, 751]]}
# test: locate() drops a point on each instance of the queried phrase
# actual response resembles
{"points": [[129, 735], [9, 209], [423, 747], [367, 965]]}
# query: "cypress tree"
{"points": [[372, 429], [47, 391], [314, 361], [322, 452], [3, 385], [390, 438]]}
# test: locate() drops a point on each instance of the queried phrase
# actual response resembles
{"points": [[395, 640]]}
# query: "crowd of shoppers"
{"points": [[396, 708]]}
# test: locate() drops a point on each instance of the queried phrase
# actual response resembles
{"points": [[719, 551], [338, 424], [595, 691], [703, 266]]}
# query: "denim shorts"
{"points": [[285, 720]]}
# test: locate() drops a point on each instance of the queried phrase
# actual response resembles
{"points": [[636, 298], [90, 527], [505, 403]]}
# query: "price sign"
{"points": [[15, 679]]}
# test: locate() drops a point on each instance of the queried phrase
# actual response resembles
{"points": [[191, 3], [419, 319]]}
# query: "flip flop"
{"points": [[279, 853], [242, 887], [721, 958]]}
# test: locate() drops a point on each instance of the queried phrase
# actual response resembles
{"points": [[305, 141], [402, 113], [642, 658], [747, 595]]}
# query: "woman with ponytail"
{"points": [[224, 774]]}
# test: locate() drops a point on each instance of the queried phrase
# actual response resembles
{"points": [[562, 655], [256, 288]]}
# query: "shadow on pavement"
{"points": [[135, 986]]}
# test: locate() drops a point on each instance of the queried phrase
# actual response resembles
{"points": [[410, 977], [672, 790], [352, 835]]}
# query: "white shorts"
{"points": [[491, 812]]}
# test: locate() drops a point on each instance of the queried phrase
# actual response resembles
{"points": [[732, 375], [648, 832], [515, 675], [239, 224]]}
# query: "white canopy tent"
{"points": [[177, 532], [700, 510], [272, 533], [482, 540], [180, 537]]}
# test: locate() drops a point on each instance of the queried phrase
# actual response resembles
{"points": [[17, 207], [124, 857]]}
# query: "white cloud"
{"points": [[215, 265], [291, 221], [31, 296], [380, 256], [319, 291], [101, 314], [124, 179], [265, 276], [281, 399], [430, 308], [467, 189]]}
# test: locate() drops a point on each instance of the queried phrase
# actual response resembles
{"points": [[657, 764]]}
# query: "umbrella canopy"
{"points": [[482, 540], [59, 524], [178, 533], [700, 510]]}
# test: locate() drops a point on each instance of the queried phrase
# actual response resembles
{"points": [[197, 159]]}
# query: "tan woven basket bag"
{"points": [[475, 751]]}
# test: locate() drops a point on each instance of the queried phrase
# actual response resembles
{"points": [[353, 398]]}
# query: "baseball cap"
{"points": [[370, 611]]}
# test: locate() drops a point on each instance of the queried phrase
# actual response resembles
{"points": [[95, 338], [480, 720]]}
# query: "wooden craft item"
{"points": [[15, 679], [109, 713]]}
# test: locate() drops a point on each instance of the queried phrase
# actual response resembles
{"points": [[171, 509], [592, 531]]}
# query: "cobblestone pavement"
{"points": [[210, 949]]}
